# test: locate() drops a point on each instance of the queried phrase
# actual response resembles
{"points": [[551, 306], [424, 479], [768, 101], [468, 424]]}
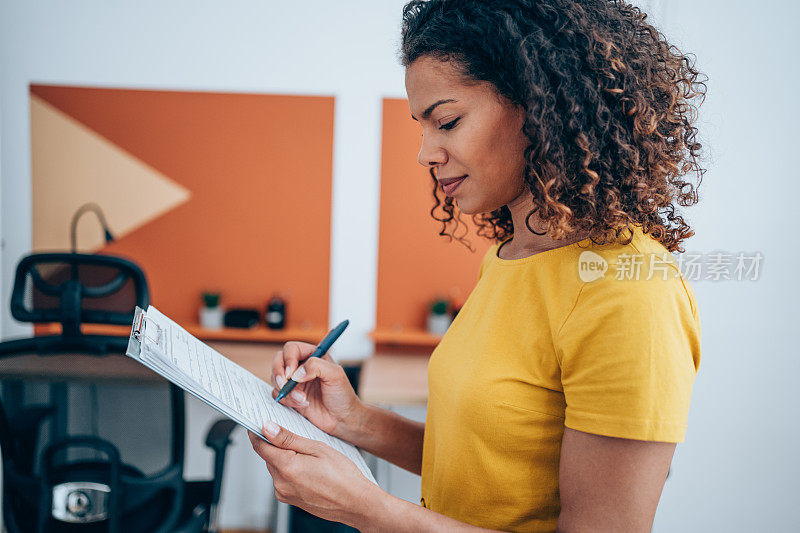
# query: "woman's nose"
{"points": [[431, 155]]}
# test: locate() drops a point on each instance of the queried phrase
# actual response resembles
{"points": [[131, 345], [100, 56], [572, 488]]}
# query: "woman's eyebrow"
{"points": [[427, 112]]}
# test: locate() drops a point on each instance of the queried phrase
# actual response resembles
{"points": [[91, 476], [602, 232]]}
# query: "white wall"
{"points": [[738, 468]]}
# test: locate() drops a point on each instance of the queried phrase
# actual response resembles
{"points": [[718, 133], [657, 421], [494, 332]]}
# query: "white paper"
{"points": [[172, 352]]}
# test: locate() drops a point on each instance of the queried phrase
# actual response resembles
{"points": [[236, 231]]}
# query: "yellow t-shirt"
{"points": [[545, 342]]}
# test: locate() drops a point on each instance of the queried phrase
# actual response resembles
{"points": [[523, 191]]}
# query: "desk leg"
{"points": [[282, 518], [59, 397], [279, 515]]}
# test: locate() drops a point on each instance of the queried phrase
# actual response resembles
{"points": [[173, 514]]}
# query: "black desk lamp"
{"points": [[91, 206]]}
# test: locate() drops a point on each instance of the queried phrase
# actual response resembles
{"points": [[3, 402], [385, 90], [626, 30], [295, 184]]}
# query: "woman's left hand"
{"points": [[315, 477]]}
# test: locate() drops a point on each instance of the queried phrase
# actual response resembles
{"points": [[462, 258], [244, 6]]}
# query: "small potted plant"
{"points": [[439, 318], [211, 313]]}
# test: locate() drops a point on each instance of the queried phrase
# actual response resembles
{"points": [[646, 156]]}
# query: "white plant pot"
{"points": [[211, 317], [438, 324]]}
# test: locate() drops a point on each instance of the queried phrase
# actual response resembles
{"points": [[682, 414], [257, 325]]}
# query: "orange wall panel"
{"points": [[258, 169], [415, 263]]}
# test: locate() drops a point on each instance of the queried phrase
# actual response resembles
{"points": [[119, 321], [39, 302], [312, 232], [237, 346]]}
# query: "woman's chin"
{"points": [[471, 208], [462, 206]]}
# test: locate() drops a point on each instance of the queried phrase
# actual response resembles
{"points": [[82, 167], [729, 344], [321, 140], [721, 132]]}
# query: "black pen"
{"points": [[321, 350]]}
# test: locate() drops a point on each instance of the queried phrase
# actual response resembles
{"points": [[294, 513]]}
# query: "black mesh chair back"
{"points": [[74, 289]]}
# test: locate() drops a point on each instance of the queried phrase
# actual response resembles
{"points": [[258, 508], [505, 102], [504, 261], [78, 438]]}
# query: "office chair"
{"points": [[50, 493]]}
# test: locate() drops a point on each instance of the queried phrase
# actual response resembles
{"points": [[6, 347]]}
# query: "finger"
{"points": [[277, 369], [272, 455], [280, 381], [283, 364], [275, 459], [253, 439], [298, 398], [326, 371], [262, 448], [284, 439], [293, 353]]}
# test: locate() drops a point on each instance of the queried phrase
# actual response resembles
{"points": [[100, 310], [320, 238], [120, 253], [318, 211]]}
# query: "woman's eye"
{"points": [[450, 125]]}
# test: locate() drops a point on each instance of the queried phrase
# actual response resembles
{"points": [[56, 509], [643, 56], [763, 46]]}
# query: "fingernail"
{"points": [[281, 381], [271, 428], [298, 396], [299, 374]]}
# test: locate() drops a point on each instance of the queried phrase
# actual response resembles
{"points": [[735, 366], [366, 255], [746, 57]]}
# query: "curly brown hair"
{"points": [[610, 107]]}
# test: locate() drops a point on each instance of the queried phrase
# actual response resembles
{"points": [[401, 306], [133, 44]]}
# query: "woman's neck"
{"points": [[525, 243]]}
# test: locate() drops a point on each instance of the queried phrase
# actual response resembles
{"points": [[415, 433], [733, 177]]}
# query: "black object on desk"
{"points": [[54, 492], [240, 318], [275, 316]]}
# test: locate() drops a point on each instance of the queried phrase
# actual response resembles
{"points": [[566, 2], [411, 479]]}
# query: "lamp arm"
{"points": [[91, 206]]}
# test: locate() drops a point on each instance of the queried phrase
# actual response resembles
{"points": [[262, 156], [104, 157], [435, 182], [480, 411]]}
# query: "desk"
{"points": [[392, 379], [255, 357], [256, 334], [253, 349]]}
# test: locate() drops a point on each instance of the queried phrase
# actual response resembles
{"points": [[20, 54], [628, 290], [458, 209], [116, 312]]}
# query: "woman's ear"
{"points": [[521, 114]]}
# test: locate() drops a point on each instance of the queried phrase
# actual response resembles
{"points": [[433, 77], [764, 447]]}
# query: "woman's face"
{"points": [[467, 130]]}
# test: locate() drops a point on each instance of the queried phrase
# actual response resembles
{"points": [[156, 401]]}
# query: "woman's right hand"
{"points": [[323, 393]]}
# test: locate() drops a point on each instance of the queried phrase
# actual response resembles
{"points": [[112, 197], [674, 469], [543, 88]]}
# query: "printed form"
{"points": [[171, 351]]}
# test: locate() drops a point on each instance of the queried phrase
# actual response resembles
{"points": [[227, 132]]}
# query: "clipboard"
{"points": [[158, 346], [136, 343]]}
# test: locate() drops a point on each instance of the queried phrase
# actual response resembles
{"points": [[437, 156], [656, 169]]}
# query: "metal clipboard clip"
{"points": [[142, 330]]}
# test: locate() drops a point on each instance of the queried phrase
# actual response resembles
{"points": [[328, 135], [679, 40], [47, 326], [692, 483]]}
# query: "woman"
{"points": [[560, 390]]}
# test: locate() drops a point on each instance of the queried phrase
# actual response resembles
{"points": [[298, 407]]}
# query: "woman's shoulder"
{"points": [[639, 273]]}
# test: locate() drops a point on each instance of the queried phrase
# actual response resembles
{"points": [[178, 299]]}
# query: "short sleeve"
{"points": [[629, 352]]}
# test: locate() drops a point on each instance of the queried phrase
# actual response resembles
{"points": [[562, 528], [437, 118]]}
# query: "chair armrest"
{"points": [[218, 436], [218, 439]]}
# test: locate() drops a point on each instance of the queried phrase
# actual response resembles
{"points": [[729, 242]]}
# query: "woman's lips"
{"points": [[452, 186]]}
